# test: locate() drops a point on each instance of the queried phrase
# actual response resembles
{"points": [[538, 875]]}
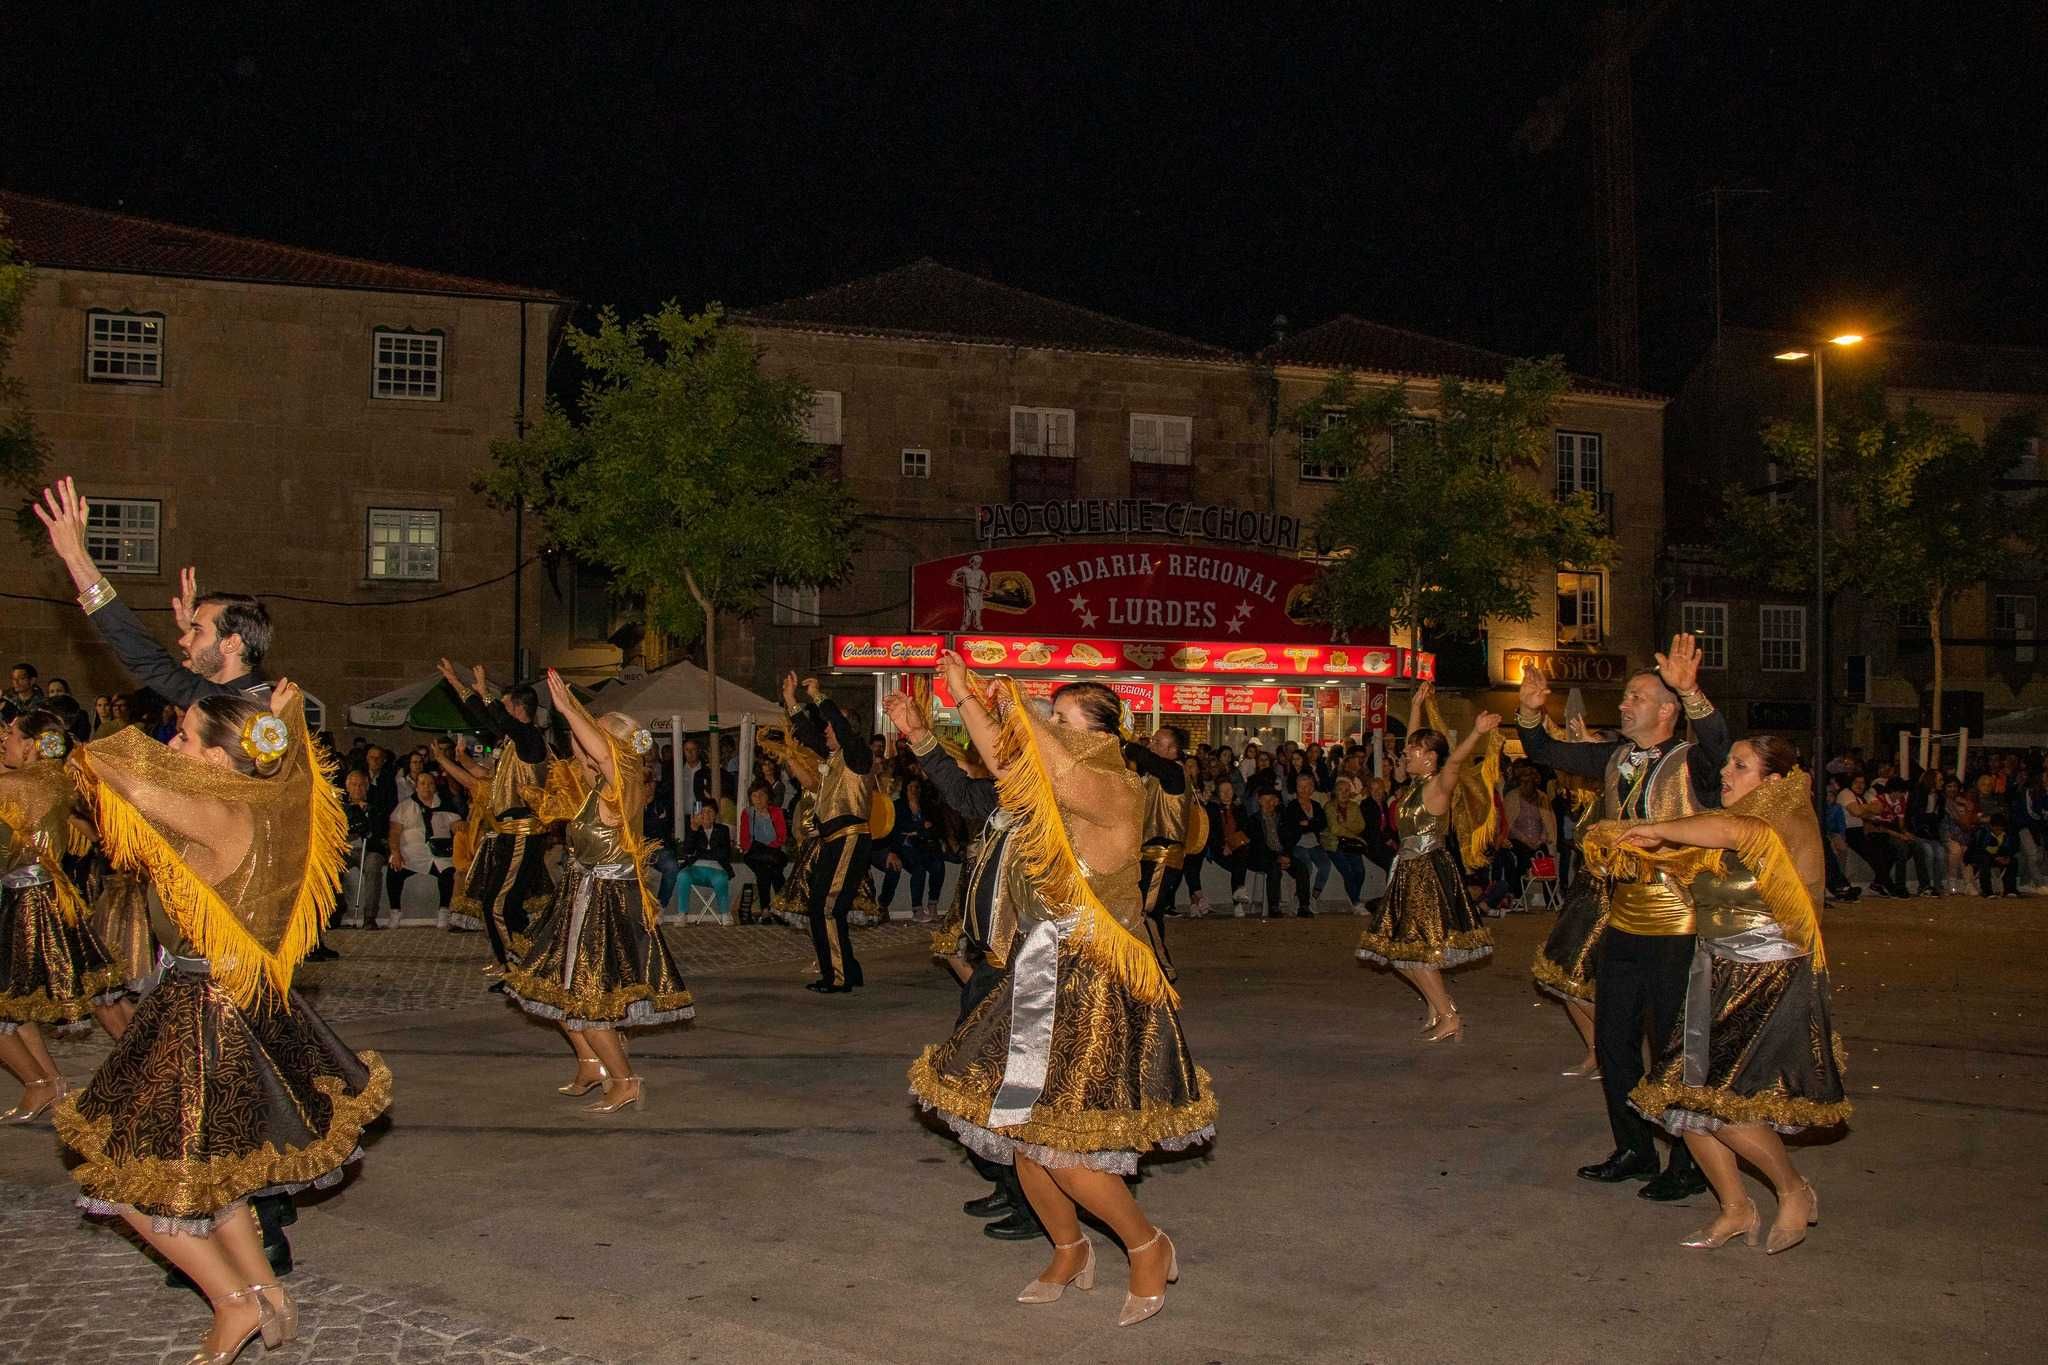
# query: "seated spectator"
{"points": [[1529, 825], [913, 846], [764, 841], [705, 859], [1996, 852], [421, 841]]}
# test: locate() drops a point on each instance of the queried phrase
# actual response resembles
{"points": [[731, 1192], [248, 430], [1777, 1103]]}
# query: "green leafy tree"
{"points": [[21, 448], [1914, 513], [1437, 526], [686, 474]]}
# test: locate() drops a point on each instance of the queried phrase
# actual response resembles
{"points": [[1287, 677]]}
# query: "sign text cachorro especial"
{"points": [[998, 521]]}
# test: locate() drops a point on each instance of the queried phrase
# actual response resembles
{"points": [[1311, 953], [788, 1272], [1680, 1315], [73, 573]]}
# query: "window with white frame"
{"points": [[1323, 471], [405, 544], [406, 366], [2013, 618], [1781, 639], [793, 605], [821, 418], [1579, 602], [1578, 462], [124, 348], [1707, 622], [121, 534], [316, 711], [917, 462], [1160, 439], [1044, 432]]}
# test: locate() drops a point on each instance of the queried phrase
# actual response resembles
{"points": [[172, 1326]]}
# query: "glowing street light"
{"points": [[1814, 353]]}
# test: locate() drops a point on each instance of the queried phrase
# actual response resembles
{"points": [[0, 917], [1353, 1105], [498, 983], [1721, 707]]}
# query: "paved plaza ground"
{"points": [[1370, 1198]]}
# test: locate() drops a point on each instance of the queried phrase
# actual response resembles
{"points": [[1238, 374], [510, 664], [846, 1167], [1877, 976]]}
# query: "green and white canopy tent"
{"points": [[427, 705]]}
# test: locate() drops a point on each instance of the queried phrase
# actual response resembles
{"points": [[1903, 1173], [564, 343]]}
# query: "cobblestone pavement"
{"points": [[83, 1291]]}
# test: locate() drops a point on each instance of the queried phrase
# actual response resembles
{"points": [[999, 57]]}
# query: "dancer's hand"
{"points": [[1680, 668], [62, 513], [283, 695], [1485, 723], [183, 603], [812, 690], [1642, 836], [789, 690], [558, 691], [1535, 688], [451, 673], [959, 681]]}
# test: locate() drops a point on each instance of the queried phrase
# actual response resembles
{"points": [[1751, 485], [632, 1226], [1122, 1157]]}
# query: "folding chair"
{"points": [[1541, 881]]}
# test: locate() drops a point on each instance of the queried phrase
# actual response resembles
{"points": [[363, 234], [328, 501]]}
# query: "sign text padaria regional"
{"points": [[999, 521]]}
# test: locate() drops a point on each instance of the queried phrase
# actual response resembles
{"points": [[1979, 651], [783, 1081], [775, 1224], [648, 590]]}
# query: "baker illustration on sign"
{"points": [[972, 580]]}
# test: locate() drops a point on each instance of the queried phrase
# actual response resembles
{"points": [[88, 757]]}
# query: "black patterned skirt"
{"points": [[1426, 919], [121, 919], [1772, 1054], [1118, 1077], [203, 1104], [1570, 957], [51, 971], [505, 889], [594, 962]]}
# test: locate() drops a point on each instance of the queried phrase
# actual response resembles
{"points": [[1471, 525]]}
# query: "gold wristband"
{"points": [[96, 596], [1527, 719], [923, 746], [1697, 707]]}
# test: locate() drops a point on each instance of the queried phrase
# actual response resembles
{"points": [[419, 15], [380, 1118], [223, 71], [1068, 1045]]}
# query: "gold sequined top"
{"points": [[510, 781], [842, 792], [1166, 817], [1657, 906], [594, 843], [35, 806], [1413, 816], [1731, 902]]}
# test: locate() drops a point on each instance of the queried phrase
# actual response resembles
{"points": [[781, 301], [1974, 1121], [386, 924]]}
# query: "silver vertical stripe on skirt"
{"points": [[1767, 944], [580, 906], [1034, 985]]}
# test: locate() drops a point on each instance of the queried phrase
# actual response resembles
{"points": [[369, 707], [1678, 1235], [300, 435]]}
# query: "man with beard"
{"points": [[224, 636]]}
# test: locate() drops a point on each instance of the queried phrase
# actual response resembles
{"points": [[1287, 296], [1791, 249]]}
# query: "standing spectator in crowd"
{"points": [[102, 712], [1301, 835], [24, 694], [1264, 778], [1996, 853], [383, 776], [362, 880], [764, 840], [696, 782], [706, 860], [422, 840], [1924, 809], [1269, 846]]}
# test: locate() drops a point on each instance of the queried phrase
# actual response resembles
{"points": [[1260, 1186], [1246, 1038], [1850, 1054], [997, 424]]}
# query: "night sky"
{"points": [[1197, 168]]}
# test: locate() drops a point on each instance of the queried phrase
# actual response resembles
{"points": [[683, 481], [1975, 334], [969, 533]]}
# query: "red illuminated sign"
{"points": [[1025, 654]]}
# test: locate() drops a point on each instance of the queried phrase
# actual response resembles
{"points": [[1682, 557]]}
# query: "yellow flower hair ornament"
{"points": [[53, 744], [264, 740], [643, 741]]}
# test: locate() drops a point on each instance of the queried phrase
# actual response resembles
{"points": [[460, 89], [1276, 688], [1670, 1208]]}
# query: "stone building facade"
{"points": [[301, 426], [939, 391]]}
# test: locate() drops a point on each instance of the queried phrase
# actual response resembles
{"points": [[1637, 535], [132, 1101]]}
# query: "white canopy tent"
{"points": [[677, 693]]}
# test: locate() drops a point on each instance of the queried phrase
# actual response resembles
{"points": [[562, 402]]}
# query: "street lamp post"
{"points": [[1820, 547]]}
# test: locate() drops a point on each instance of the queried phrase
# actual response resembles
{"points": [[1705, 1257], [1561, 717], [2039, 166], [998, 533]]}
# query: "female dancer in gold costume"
{"points": [[1074, 1064], [598, 963], [1756, 1055], [226, 1085]]}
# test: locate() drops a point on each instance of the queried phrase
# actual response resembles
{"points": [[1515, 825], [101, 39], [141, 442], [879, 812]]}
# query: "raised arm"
{"points": [[1418, 705], [591, 740], [1581, 760], [1712, 830], [805, 726], [973, 798], [1436, 797], [1679, 667], [1170, 775]]}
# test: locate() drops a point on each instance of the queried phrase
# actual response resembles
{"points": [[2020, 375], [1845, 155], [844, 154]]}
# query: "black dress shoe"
{"points": [[1621, 1166], [1020, 1226], [1674, 1185], [825, 987], [994, 1204]]}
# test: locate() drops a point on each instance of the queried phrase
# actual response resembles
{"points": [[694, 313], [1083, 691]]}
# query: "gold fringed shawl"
{"points": [[1583, 791], [1042, 849], [801, 760], [565, 794], [35, 815], [921, 702], [1775, 830], [154, 807], [1475, 813]]}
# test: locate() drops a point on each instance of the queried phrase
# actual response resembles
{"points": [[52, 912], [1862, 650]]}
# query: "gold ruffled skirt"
{"points": [[792, 904], [1426, 919], [1772, 1055], [51, 971], [611, 971], [505, 889], [1570, 957], [120, 916], [203, 1104], [1119, 1079]]}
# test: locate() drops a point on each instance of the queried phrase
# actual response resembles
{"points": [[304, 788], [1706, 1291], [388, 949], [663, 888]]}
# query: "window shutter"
{"points": [[1023, 431], [1059, 434]]}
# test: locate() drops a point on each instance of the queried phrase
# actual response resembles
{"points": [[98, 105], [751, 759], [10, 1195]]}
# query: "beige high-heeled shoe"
{"points": [[1137, 1308], [281, 1324], [579, 1086], [1706, 1239], [1784, 1239], [266, 1320], [1452, 1025], [632, 1093], [22, 1113], [1590, 1069], [1047, 1291]]}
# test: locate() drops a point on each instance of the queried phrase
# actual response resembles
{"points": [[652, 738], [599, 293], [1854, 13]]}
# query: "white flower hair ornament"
{"points": [[264, 740], [643, 741], [53, 744]]}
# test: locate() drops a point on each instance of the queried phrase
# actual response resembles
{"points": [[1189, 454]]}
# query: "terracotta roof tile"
{"points": [[1351, 343], [931, 302], [71, 237]]}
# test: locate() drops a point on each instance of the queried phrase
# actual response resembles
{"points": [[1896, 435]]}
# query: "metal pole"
{"points": [[1820, 579], [519, 520]]}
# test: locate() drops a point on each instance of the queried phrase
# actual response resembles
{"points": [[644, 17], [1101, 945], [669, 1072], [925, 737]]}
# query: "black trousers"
{"points": [[836, 880], [394, 885], [1154, 889], [1641, 977]]}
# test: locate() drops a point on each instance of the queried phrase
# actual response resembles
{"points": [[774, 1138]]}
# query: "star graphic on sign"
{"points": [[1087, 619], [1078, 603], [1243, 614]]}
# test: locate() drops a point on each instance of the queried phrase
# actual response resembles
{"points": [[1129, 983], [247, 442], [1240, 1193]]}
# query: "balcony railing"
{"points": [[1162, 482], [1040, 478]]}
